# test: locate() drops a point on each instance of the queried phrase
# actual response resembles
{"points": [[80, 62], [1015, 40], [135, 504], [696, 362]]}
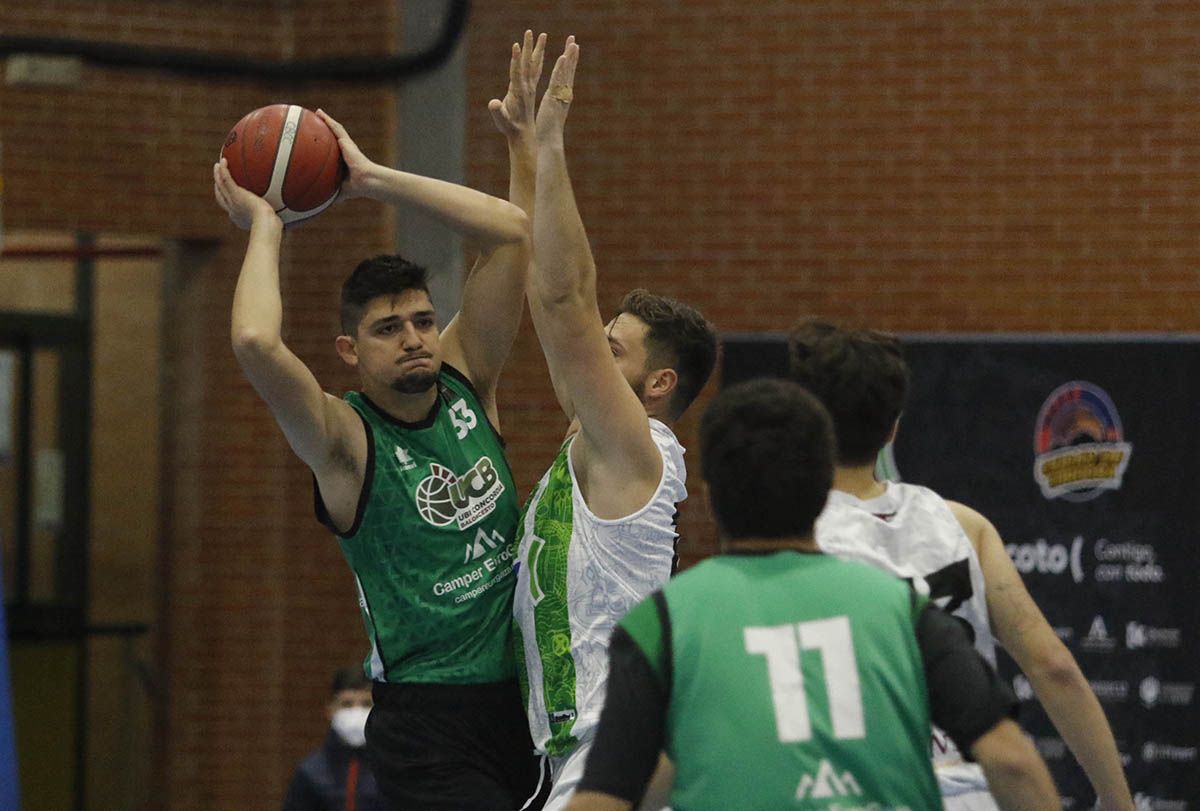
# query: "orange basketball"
{"points": [[289, 156]]}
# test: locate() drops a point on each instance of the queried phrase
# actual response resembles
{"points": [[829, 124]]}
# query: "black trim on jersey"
{"points": [[666, 646], [632, 725], [462, 378], [952, 581], [675, 543], [966, 696], [420, 425], [733, 551], [364, 495]]}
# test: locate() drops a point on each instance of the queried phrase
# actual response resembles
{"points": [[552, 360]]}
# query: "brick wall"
{"points": [[922, 166]]}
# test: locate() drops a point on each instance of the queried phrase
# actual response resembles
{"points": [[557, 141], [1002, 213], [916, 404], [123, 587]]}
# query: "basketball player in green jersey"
{"points": [[410, 474], [778, 677], [599, 531]]}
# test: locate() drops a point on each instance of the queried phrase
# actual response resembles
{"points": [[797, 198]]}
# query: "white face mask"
{"points": [[350, 723]]}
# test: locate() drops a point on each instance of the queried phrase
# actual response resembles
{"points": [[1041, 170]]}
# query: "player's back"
{"points": [[911, 532], [796, 682]]}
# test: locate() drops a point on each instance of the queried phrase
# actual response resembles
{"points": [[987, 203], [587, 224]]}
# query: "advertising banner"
{"points": [[1083, 453]]}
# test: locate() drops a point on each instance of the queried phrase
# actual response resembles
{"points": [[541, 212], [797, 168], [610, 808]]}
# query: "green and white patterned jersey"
{"points": [[433, 542], [794, 681], [577, 575]]}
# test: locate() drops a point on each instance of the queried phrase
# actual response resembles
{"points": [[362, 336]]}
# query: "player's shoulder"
{"points": [[971, 520]]}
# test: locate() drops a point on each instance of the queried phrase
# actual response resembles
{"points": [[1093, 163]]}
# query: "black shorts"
{"points": [[454, 747]]}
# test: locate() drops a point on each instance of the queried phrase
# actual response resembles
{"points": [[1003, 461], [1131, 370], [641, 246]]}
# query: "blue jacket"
{"points": [[321, 779]]}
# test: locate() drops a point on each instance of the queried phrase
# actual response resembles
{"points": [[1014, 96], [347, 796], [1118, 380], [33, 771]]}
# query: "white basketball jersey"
{"points": [[911, 532], [577, 575]]}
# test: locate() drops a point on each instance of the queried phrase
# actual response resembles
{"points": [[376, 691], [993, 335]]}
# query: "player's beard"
{"points": [[417, 382]]}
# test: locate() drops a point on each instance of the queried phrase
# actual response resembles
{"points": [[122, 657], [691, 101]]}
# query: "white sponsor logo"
{"points": [[1097, 638], [1064, 633], [1022, 687], [827, 783], [1144, 802], [1048, 558], [1110, 690], [483, 544], [1154, 692], [1146, 636], [1128, 562], [443, 497], [1152, 751], [404, 458]]}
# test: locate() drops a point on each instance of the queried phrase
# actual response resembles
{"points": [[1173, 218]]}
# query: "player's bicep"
{"points": [[314, 422], [966, 696], [611, 416], [479, 339], [1016, 620]]}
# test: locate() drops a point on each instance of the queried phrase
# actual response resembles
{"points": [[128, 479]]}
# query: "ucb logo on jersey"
{"points": [[827, 783], [443, 497]]}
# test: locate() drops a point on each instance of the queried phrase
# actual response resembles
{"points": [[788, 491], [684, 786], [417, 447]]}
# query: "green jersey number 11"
{"points": [[782, 646]]}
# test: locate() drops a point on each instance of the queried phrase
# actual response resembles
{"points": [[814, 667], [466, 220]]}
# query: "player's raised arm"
{"points": [[612, 418], [1057, 681], [317, 425], [514, 118], [478, 340]]}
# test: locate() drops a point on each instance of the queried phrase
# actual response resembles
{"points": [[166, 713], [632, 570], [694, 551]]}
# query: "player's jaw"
{"points": [[416, 372]]}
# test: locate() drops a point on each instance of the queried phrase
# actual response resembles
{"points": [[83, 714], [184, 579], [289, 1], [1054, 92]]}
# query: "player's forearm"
{"points": [[1016, 775], [565, 273], [486, 221], [522, 173], [595, 801], [257, 305], [1077, 715]]}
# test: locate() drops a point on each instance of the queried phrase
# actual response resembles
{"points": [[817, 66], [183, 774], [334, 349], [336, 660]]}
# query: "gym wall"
{"points": [[921, 167]]}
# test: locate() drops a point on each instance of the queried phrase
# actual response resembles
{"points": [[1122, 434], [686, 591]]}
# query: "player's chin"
{"points": [[417, 381]]}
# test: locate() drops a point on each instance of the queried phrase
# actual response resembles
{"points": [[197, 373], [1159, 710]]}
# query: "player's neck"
{"points": [[733, 546], [404, 407], [859, 482]]}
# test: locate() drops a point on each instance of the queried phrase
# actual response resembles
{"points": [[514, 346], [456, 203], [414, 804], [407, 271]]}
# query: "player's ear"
{"points": [[347, 349], [661, 383]]}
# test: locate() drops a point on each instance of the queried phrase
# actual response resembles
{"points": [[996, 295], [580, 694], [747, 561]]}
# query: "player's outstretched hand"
{"points": [[242, 205], [552, 113], [359, 166], [514, 115]]}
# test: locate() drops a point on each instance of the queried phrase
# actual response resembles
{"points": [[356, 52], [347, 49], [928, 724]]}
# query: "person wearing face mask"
{"points": [[336, 777]]}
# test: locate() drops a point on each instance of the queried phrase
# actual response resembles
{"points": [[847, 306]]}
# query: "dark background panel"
{"points": [[1125, 605]]}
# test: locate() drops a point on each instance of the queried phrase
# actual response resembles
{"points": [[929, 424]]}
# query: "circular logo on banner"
{"points": [[1079, 443]]}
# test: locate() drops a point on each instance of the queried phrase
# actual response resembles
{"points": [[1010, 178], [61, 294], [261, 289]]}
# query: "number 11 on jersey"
{"points": [[782, 646]]}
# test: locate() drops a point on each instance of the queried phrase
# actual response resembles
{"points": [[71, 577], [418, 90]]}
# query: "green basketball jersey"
{"points": [[433, 541], [795, 681]]}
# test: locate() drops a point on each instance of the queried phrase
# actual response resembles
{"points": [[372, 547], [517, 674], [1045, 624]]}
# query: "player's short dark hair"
{"points": [[680, 338], [349, 678], [766, 452], [860, 376], [383, 275]]}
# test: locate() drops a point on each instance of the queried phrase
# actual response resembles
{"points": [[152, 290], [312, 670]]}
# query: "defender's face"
{"points": [[627, 340], [349, 698], [397, 343]]}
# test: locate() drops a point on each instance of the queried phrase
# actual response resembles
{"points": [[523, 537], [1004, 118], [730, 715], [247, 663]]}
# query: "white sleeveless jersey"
{"points": [[577, 575], [911, 532]]}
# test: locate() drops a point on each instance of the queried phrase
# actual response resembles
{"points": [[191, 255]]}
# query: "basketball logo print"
{"points": [[434, 500]]}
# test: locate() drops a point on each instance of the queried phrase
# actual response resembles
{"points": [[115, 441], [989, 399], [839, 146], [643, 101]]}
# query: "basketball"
{"points": [[289, 156], [434, 501]]}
